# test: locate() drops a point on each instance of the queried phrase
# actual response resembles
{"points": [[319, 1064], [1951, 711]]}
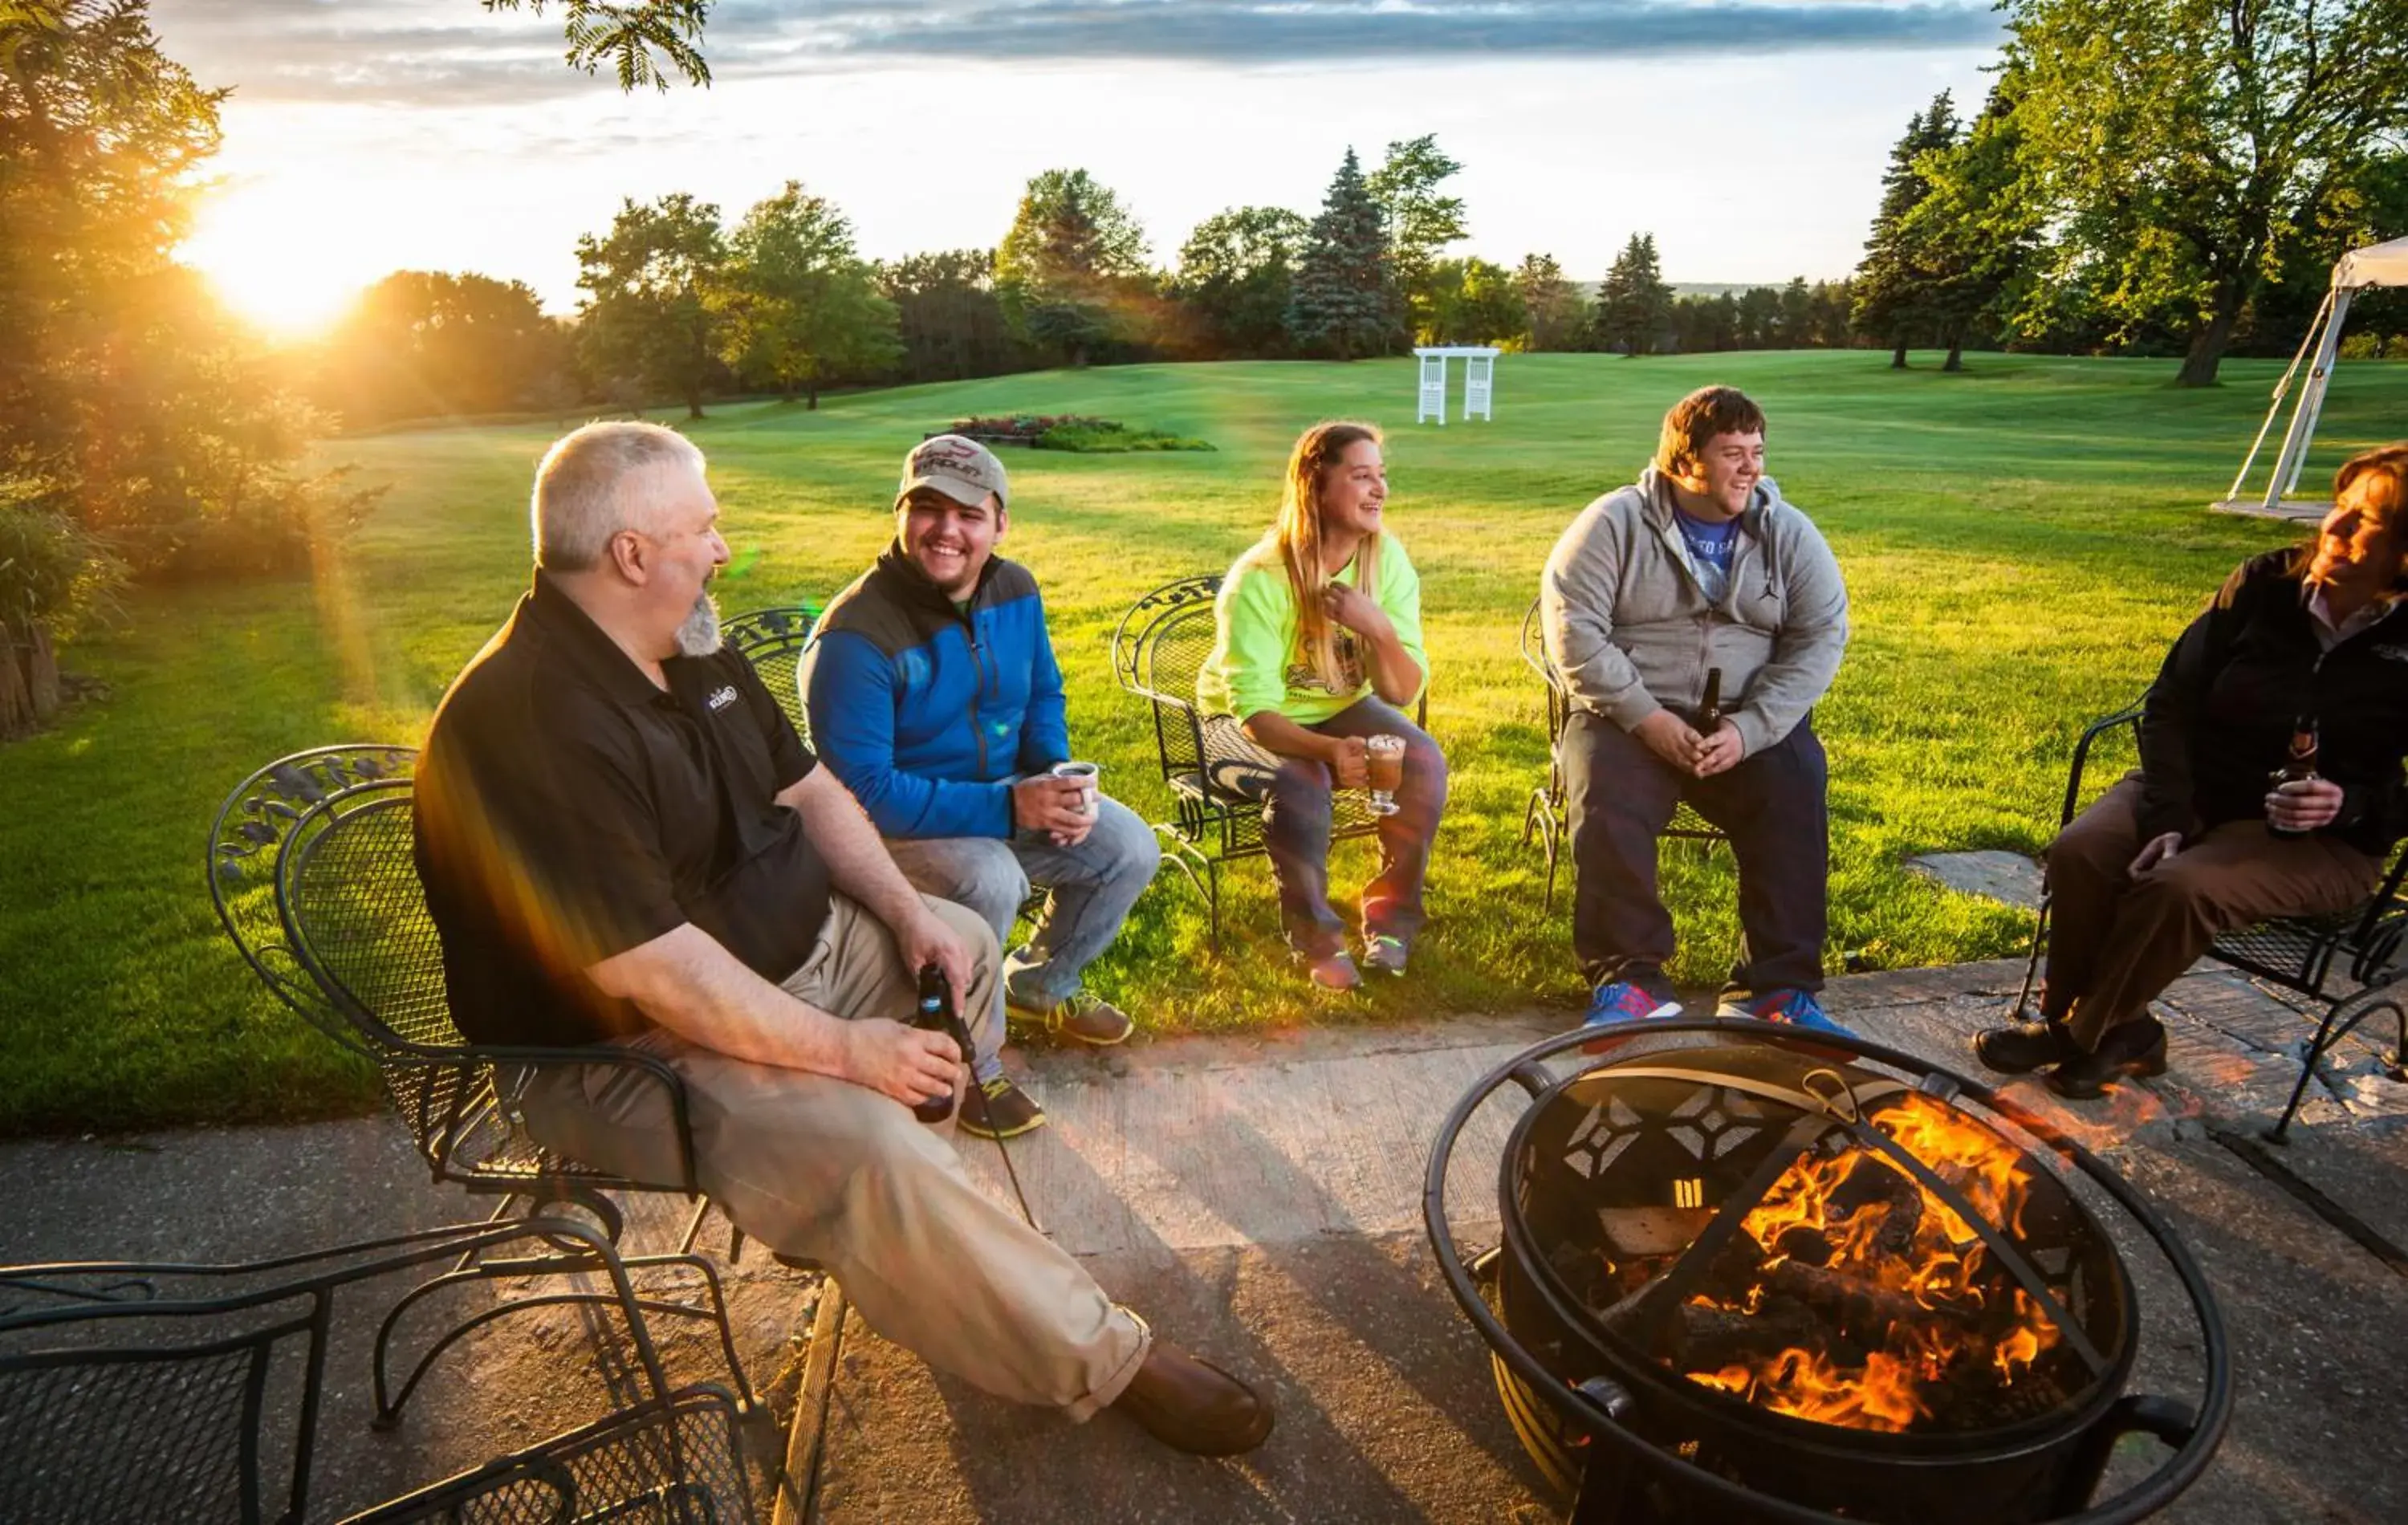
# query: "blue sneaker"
{"points": [[1626, 1001], [1798, 1008]]}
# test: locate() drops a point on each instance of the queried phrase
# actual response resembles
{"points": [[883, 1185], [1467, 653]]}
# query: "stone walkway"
{"points": [[1258, 1199]]}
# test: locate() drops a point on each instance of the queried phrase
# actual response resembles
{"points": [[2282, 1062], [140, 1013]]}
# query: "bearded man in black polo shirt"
{"points": [[623, 842]]}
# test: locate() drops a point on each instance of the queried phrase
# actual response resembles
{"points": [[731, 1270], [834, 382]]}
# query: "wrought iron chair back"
{"points": [[2349, 962], [675, 1462], [1215, 775], [355, 919], [1548, 813], [141, 1391], [772, 639], [246, 840]]}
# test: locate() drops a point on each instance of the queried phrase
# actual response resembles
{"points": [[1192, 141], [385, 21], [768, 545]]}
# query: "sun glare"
{"points": [[277, 261]]}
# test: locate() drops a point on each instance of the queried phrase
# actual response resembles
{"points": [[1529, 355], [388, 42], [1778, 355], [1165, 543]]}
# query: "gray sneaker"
{"points": [[1384, 955], [1085, 1017]]}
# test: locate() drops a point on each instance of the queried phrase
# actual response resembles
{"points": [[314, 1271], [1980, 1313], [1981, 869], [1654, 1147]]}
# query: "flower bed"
{"points": [[1071, 432]]}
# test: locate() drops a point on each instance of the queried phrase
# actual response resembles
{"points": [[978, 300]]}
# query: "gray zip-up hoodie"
{"points": [[1630, 628]]}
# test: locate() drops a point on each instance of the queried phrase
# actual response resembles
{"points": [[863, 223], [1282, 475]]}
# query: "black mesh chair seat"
{"points": [[2348, 962], [1217, 778], [679, 1461], [152, 1391], [1548, 813], [772, 639]]}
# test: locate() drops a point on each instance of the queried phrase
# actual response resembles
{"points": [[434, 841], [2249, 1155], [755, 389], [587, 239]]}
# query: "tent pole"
{"points": [[2282, 389], [2312, 402]]}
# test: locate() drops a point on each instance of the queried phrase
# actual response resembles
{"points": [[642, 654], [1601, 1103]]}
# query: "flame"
{"points": [[1856, 1220]]}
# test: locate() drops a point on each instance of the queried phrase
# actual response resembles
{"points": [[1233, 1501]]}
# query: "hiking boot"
{"points": [[2022, 1047], [1085, 1017], [2137, 1047], [999, 1108], [1384, 955], [1797, 1008], [1626, 1001]]}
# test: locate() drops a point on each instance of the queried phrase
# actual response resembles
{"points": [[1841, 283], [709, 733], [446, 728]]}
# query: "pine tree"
{"points": [[1345, 301], [1634, 307], [1558, 315], [1890, 295]]}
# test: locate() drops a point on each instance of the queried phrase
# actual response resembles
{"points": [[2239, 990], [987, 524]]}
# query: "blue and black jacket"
{"points": [[928, 712]]}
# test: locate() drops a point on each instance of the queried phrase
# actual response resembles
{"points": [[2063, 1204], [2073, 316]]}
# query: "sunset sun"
{"points": [[277, 259]]}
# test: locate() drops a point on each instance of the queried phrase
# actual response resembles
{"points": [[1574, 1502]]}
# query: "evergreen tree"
{"points": [[1345, 292], [1889, 282], [1634, 307]]}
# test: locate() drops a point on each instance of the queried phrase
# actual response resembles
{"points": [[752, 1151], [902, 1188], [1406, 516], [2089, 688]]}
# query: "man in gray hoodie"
{"points": [[1698, 566]]}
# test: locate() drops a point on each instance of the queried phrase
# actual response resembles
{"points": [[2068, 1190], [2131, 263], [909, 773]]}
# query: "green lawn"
{"points": [[2020, 542]]}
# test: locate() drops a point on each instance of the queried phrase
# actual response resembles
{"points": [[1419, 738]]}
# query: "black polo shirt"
{"points": [[567, 811]]}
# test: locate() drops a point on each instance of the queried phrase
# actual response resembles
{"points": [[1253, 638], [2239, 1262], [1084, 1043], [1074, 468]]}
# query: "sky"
{"points": [[1747, 135]]}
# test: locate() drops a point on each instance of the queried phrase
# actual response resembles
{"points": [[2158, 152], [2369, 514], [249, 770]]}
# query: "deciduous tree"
{"points": [[952, 324], [421, 343], [802, 307], [1420, 221], [1237, 273], [1072, 271], [651, 283], [1556, 311], [2173, 143]]}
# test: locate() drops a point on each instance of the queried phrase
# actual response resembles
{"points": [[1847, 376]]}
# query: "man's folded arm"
{"points": [[689, 983]]}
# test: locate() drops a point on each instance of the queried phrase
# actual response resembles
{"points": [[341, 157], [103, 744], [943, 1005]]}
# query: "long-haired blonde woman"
{"points": [[1318, 649]]}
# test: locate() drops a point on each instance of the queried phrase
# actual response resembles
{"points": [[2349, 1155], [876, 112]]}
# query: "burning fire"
{"points": [[1892, 1269]]}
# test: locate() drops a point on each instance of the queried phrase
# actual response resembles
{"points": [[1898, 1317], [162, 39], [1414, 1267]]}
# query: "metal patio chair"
{"points": [[676, 1460], [156, 1392], [1549, 812], [772, 639], [311, 871], [2349, 963], [1157, 649]]}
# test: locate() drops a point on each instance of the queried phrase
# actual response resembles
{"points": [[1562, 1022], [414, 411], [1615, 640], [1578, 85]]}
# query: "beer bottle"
{"points": [[934, 1014], [2298, 766], [1710, 709]]}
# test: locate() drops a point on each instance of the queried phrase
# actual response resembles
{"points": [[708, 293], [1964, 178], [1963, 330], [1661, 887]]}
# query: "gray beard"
{"points": [[699, 634]]}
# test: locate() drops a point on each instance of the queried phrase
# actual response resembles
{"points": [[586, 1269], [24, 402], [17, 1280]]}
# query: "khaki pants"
{"points": [[835, 1172], [2116, 943]]}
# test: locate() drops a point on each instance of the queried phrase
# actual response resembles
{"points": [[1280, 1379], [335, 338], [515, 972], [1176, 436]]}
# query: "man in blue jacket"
{"points": [[934, 694]]}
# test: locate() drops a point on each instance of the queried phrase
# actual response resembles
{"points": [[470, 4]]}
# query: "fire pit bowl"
{"points": [[1746, 1276]]}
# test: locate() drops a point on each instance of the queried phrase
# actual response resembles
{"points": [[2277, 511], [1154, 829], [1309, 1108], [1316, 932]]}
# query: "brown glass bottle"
{"points": [[935, 1014], [1709, 707], [2298, 766]]}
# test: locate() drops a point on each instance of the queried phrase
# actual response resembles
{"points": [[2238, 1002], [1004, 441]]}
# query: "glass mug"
{"points": [[1385, 761]]}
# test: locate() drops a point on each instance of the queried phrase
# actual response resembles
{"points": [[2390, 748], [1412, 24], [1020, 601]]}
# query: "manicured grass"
{"points": [[2020, 542]]}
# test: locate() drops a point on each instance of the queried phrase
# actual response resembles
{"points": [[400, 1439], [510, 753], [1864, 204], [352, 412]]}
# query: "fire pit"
{"points": [[1755, 1278]]}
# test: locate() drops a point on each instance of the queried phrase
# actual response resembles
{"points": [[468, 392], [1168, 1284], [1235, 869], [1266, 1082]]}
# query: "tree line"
{"points": [[677, 305]]}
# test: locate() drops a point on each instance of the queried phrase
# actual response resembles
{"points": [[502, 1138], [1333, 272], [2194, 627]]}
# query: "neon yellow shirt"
{"points": [[1258, 663]]}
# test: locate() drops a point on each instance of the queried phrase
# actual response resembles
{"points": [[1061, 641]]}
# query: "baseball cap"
{"points": [[962, 469]]}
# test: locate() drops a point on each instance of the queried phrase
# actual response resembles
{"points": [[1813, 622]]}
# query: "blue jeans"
{"points": [[1296, 795], [1094, 884]]}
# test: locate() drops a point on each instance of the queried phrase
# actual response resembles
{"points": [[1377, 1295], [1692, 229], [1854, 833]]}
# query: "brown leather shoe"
{"points": [[2025, 1046], [1193, 1405], [2137, 1047]]}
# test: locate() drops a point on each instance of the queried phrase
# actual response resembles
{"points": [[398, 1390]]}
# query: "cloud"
{"points": [[449, 52]]}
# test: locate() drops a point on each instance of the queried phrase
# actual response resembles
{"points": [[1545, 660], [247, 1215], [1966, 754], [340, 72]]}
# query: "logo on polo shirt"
{"points": [[722, 699]]}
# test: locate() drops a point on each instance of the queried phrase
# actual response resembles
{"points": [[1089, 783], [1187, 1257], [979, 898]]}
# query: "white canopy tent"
{"points": [[2378, 264]]}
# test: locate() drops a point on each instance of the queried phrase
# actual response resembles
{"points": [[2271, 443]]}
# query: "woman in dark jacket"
{"points": [[2200, 841]]}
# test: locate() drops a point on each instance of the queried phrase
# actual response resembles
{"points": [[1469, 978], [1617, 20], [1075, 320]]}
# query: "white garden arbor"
{"points": [[2360, 269], [1479, 379]]}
